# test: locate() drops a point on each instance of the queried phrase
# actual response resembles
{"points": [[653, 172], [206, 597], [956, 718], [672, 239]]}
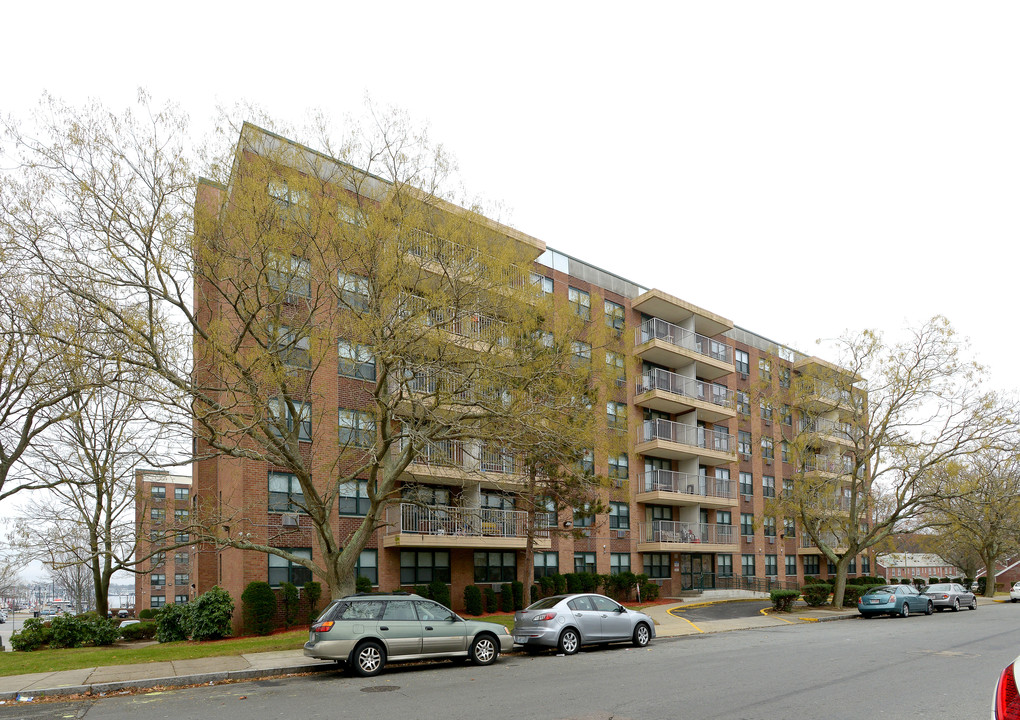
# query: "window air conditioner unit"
{"points": [[617, 483], [748, 539], [289, 520], [772, 540], [621, 533], [743, 376], [768, 461]]}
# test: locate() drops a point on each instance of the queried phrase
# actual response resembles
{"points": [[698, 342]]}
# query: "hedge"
{"points": [[816, 595], [258, 607], [782, 600]]}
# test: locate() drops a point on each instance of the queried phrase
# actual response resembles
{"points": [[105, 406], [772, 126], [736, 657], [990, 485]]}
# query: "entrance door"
{"points": [[696, 572]]}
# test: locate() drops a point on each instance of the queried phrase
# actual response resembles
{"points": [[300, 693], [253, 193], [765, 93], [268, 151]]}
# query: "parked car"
{"points": [[951, 595], [1006, 701], [567, 622], [365, 632], [125, 623], [122, 613], [1014, 592], [894, 600]]}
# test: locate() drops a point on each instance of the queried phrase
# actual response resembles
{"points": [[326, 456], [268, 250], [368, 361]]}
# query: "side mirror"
{"points": [[621, 609]]}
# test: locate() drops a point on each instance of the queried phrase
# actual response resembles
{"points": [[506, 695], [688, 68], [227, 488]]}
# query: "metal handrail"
{"points": [[425, 245], [459, 521], [686, 533], [687, 483], [671, 382], [686, 435], [656, 329]]}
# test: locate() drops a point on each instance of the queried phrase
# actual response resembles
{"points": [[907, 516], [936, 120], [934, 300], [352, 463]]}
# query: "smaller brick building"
{"points": [[162, 515], [894, 566]]}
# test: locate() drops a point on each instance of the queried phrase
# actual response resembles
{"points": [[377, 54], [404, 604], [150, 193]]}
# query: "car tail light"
{"points": [[544, 617], [892, 598], [944, 596], [323, 626], [1007, 700]]}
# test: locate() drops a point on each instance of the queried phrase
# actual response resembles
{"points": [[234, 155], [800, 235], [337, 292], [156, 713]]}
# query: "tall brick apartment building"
{"points": [[687, 501]]}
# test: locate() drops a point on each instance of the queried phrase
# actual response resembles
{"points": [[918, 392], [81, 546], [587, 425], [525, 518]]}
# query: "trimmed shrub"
{"points": [[139, 631], [546, 586], [506, 598], [967, 582], [491, 603], [68, 631], [440, 592], [313, 591], [851, 593], [518, 590], [173, 623], [919, 583], [573, 582], [905, 581], [146, 614], [258, 607], [982, 585], [211, 611], [649, 591], [102, 631], [291, 597], [33, 635], [934, 580], [816, 595], [362, 584], [782, 600], [473, 600], [534, 593], [559, 584]]}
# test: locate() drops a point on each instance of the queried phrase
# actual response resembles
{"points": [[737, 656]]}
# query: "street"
{"points": [[886, 667]]}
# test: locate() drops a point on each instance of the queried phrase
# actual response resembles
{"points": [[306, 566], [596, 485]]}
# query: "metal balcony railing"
{"points": [[671, 382], [686, 435], [458, 321], [656, 329], [688, 483], [459, 521], [460, 258], [443, 453], [686, 533], [830, 540], [824, 426]]}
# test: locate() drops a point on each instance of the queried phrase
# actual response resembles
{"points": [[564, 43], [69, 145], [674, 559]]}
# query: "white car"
{"points": [[1006, 701], [1014, 592]]}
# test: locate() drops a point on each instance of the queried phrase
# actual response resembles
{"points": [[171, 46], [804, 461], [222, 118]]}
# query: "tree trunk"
{"points": [[839, 589]]}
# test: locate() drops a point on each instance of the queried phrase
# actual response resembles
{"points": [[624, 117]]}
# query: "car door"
{"points": [[915, 601], [616, 623], [400, 629], [442, 630], [588, 621]]}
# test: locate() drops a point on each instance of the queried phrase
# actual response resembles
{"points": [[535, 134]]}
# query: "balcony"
{"points": [[455, 462], [673, 393], [473, 328], [668, 487], [808, 547], [668, 439], [664, 343], [411, 525], [824, 431], [446, 258], [671, 536]]}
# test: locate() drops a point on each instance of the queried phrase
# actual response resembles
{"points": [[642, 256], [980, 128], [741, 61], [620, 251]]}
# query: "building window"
{"points": [[724, 565], [619, 563], [182, 537], [157, 515], [283, 416], [356, 361], [581, 351], [742, 361], [764, 369], [180, 578], [616, 415], [788, 488], [786, 451], [580, 301], [180, 516], [723, 517], [157, 579], [615, 362], [771, 566], [420, 567], [618, 467], [865, 565], [768, 486], [546, 564], [583, 517], [180, 599], [768, 524], [180, 493], [614, 315], [158, 559], [157, 601], [768, 448], [811, 565], [158, 492], [357, 428], [744, 442], [586, 465], [656, 565], [789, 528], [619, 516], [291, 276], [852, 568], [285, 493], [545, 513], [352, 498], [747, 565], [830, 567], [746, 484], [288, 348], [747, 524], [766, 411], [743, 403], [368, 566], [584, 562], [784, 376], [545, 284], [495, 567], [181, 558], [282, 570], [791, 565], [786, 415], [354, 291]]}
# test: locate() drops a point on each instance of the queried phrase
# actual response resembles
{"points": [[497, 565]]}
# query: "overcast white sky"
{"points": [[856, 162]]}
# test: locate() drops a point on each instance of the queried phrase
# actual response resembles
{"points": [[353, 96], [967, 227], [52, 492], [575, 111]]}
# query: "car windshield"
{"points": [[884, 590], [939, 588], [546, 603]]}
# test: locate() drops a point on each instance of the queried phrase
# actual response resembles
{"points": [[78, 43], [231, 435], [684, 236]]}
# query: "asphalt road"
{"points": [[883, 668], [722, 610]]}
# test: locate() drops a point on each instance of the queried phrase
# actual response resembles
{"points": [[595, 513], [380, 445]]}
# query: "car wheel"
{"points": [[905, 610], [570, 641], [973, 603], [369, 659], [641, 635], [928, 608], [484, 650], [956, 605]]}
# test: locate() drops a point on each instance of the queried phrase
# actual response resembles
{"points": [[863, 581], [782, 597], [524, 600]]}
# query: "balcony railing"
{"points": [[460, 258], [729, 581], [824, 426], [459, 521], [686, 435], [443, 453], [671, 531], [671, 382], [458, 321], [656, 329], [679, 482], [830, 540]]}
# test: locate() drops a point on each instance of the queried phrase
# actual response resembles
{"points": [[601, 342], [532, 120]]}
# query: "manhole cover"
{"points": [[380, 688]]}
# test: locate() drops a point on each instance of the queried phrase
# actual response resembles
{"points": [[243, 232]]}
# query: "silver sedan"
{"points": [[567, 622], [951, 596]]}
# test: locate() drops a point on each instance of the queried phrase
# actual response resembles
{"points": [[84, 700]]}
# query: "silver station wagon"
{"points": [[567, 622], [365, 632]]}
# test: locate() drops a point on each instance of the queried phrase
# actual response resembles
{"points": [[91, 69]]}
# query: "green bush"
{"points": [[506, 598], [473, 600], [33, 635], [649, 591], [816, 595], [102, 631], [362, 584], [258, 607], [146, 614], [518, 590], [491, 603], [211, 611], [967, 582], [546, 586], [440, 592], [573, 582], [945, 580], [982, 585], [313, 591], [422, 590], [851, 593], [919, 583], [905, 581], [139, 631], [173, 623], [68, 631], [534, 594], [291, 598], [559, 584], [782, 600]]}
